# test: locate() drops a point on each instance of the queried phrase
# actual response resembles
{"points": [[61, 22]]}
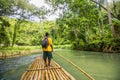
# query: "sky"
{"points": [[39, 3]]}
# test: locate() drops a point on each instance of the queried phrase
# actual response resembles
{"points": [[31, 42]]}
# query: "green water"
{"points": [[101, 66], [13, 68]]}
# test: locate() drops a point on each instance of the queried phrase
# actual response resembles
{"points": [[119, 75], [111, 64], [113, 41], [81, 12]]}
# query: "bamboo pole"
{"points": [[50, 75], [31, 73], [39, 74], [43, 68], [90, 77], [65, 72], [42, 77], [53, 75], [55, 69], [23, 76], [27, 74], [58, 73], [36, 72]]}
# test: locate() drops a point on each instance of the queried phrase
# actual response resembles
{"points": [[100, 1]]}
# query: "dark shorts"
{"points": [[47, 54]]}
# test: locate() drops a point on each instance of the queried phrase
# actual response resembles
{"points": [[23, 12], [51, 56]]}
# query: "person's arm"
{"points": [[51, 47]]}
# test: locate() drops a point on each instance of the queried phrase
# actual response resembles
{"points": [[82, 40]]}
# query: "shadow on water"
{"points": [[12, 68]]}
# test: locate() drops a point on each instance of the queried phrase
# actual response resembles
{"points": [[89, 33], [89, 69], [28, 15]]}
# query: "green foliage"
{"points": [[82, 25], [62, 46], [4, 34], [78, 22], [115, 8], [83, 30], [6, 7], [27, 33], [99, 45], [4, 22], [112, 41], [21, 48], [21, 8], [78, 44], [95, 45], [116, 25], [116, 22], [16, 7]]}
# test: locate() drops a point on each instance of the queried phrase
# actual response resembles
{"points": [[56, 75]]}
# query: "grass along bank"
{"points": [[6, 52]]}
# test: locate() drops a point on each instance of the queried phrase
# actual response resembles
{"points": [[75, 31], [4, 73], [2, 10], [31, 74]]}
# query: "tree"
{"points": [[116, 21], [20, 9], [3, 33], [110, 19]]}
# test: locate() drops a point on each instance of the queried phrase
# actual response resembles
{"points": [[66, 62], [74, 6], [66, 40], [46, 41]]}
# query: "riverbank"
{"points": [[6, 52], [106, 45], [15, 53]]}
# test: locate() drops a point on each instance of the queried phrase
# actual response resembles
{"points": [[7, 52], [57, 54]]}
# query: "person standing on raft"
{"points": [[47, 49]]}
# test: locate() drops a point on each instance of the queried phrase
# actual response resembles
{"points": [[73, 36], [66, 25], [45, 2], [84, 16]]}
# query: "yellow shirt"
{"points": [[49, 48]]}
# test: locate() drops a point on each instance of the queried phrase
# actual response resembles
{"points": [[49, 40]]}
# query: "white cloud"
{"points": [[39, 3], [52, 17]]}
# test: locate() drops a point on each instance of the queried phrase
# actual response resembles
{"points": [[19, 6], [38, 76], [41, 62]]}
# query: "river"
{"points": [[12, 68], [101, 66]]}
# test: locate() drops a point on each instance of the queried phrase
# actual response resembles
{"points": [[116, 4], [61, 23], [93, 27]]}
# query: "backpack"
{"points": [[45, 43]]}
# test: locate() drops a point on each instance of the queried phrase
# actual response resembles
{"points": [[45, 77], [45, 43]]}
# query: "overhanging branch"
{"points": [[103, 7]]}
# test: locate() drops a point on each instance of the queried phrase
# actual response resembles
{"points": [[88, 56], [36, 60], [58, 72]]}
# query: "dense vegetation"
{"points": [[83, 24]]}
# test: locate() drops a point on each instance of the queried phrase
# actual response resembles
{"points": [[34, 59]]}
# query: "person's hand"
{"points": [[52, 50]]}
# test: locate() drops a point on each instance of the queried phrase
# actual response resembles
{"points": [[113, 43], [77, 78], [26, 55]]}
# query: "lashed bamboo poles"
{"points": [[37, 71], [89, 76]]}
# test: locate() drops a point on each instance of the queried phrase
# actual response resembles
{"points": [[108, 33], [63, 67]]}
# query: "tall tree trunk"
{"points": [[14, 34], [110, 19], [100, 20], [16, 27], [114, 5], [99, 16], [102, 26]]}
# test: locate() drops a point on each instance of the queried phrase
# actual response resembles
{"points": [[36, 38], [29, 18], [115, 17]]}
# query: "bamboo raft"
{"points": [[37, 71]]}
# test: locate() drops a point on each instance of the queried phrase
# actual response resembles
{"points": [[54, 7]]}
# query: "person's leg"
{"points": [[49, 58], [45, 57], [49, 61]]}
